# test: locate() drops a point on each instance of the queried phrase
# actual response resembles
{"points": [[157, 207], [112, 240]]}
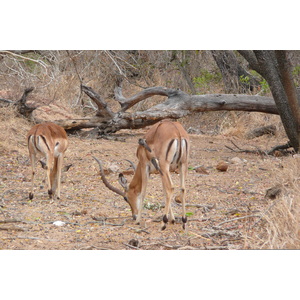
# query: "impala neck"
{"points": [[137, 180]]}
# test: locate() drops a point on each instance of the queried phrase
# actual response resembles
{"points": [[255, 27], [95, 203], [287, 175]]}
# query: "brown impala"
{"points": [[51, 141], [164, 147]]}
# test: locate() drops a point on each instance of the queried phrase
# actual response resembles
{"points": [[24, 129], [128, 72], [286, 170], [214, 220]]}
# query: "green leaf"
{"points": [[188, 214]]}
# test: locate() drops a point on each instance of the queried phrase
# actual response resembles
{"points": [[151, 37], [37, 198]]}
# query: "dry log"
{"points": [[177, 104], [22, 107], [270, 129]]}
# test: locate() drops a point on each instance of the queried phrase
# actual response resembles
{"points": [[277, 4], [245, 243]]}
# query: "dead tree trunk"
{"points": [[177, 105], [21, 105]]}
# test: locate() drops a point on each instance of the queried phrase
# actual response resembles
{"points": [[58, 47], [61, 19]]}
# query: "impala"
{"points": [[51, 141], [164, 148]]}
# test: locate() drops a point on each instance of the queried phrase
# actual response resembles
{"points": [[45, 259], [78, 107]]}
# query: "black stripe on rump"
{"points": [[186, 146], [44, 139], [169, 147], [180, 151]]}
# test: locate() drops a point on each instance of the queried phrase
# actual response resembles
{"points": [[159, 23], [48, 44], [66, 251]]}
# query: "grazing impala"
{"points": [[51, 141], [164, 147]]}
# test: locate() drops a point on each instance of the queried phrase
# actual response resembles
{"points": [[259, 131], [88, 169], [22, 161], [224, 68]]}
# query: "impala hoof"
{"points": [[30, 196], [184, 221], [134, 217]]}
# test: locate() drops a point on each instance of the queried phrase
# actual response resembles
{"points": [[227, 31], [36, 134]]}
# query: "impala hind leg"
{"points": [[168, 188], [49, 169], [183, 173], [55, 176], [33, 167]]}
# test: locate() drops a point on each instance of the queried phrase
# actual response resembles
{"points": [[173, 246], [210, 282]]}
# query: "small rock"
{"points": [[177, 199], [201, 170], [79, 213], [236, 160], [59, 223], [273, 192], [134, 243], [222, 166], [113, 168], [278, 153], [192, 130]]}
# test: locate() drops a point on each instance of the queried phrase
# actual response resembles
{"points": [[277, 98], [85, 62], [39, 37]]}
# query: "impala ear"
{"points": [[143, 143], [123, 182]]}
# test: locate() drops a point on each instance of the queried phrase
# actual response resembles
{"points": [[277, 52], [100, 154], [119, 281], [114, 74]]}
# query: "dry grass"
{"points": [[240, 123], [280, 228], [13, 131]]}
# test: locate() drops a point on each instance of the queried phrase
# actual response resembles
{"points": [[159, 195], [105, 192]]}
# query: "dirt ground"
{"points": [[224, 208]]}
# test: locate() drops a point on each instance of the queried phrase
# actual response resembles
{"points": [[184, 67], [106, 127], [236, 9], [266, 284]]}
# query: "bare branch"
{"points": [[21, 105], [251, 58], [14, 53], [126, 103], [177, 105], [103, 109]]}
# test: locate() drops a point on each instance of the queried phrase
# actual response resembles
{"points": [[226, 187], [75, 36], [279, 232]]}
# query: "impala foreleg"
{"points": [[58, 177]]}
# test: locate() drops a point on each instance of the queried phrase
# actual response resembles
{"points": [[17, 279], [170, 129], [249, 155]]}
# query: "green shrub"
{"points": [[207, 78]]}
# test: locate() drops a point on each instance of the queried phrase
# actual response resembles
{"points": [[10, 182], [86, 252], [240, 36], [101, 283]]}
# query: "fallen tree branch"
{"points": [[177, 105], [258, 151], [280, 147]]}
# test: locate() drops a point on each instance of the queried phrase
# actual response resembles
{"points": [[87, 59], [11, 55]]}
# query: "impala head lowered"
{"points": [[129, 194], [165, 147]]}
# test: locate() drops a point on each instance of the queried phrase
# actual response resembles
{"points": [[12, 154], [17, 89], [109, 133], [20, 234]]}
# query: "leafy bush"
{"points": [[207, 78]]}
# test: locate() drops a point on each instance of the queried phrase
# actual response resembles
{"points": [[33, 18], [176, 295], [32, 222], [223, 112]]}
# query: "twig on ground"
{"points": [[138, 230], [11, 221], [219, 233], [102, 222], [198, 235], [208, 206], [239, 218], [28, 238], [258, 151], [13, 228], [94, 247], [264, 213]]}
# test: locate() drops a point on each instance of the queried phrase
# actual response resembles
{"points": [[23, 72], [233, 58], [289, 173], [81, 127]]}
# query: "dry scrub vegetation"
{"points": [[226, 210]]}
